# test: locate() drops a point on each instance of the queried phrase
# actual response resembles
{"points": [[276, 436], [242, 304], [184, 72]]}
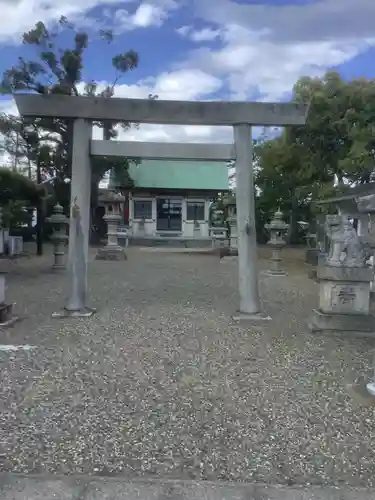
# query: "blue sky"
{"points": [[205, 49]]}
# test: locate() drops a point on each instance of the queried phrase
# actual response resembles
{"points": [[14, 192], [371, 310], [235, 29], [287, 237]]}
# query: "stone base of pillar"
{"points": [[362, 325], [85, 312], [111, 253], [274, 272], [239, 316], [58, 267], [6, 316]]}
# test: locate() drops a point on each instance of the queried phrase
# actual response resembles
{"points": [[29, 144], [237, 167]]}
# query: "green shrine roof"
{"points": [[172, 174]]}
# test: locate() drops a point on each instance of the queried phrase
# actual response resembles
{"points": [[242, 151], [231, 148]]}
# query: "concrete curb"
{"points": [[48, 487]]}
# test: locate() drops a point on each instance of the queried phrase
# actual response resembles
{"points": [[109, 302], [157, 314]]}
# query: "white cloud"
{"points": [[202, 35], [259, 49], [251, 63], [314, 20], [265, 48], [148, 15], [18, 16], [179, 85], [183, 30]]}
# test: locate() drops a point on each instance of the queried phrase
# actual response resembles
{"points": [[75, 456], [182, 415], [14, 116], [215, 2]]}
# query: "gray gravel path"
{"points": [[161, 383]]}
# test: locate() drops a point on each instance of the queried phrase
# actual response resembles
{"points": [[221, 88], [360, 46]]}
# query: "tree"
{"points": [[339, 136], [16, 193], [336, 145], [282, 182], [48, 141], [16, 187]]}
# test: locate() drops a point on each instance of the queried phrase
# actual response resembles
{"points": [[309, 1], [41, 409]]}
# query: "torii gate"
{"points": [[241, 115]]}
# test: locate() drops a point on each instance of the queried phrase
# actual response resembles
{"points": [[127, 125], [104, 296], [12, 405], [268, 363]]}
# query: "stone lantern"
{"points": [[277, 229], [113, 203], [59, 222], [230, 203]]}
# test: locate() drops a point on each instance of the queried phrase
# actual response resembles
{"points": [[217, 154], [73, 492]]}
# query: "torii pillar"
{"points": [[240, 115]]}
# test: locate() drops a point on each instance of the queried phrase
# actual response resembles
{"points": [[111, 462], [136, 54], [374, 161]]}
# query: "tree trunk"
{"points": [[94, 222], [292, 235], [39, 213]]}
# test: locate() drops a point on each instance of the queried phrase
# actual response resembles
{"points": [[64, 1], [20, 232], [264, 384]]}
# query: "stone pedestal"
{"points": [[344, 301], [59, 237], [219, 236], [275, 268], [15, 246], [6, 310], [112, 250]]}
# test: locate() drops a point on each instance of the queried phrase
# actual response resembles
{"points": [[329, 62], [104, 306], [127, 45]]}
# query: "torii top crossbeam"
{"points": [[162, 112]]}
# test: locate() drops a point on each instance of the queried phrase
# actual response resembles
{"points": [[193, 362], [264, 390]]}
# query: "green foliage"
{"points": [[283, 183], [339, 137], [16, 187], [14, 215], [336, 144], [57, 70]]}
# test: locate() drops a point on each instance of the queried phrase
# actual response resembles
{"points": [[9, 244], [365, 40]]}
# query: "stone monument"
{"points": [[277, 229], [113, 202], [59, 222], [344, 282]]}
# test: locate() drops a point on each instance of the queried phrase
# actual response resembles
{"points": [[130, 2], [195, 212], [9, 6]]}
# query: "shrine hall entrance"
{"points": [[169, 214]]}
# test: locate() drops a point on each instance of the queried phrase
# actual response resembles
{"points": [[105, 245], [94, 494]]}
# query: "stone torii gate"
{"points": [[241, 115]]}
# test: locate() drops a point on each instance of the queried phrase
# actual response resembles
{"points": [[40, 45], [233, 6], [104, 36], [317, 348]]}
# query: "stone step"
{"points": [[48, 487]]}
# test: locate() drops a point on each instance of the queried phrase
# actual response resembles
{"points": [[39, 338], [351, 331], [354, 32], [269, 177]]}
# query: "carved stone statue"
{"points": [[346, 248], [354, 249]]}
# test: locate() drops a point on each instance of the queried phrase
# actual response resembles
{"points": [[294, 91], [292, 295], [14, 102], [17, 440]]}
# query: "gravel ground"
{"points": [[161, 382]]}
